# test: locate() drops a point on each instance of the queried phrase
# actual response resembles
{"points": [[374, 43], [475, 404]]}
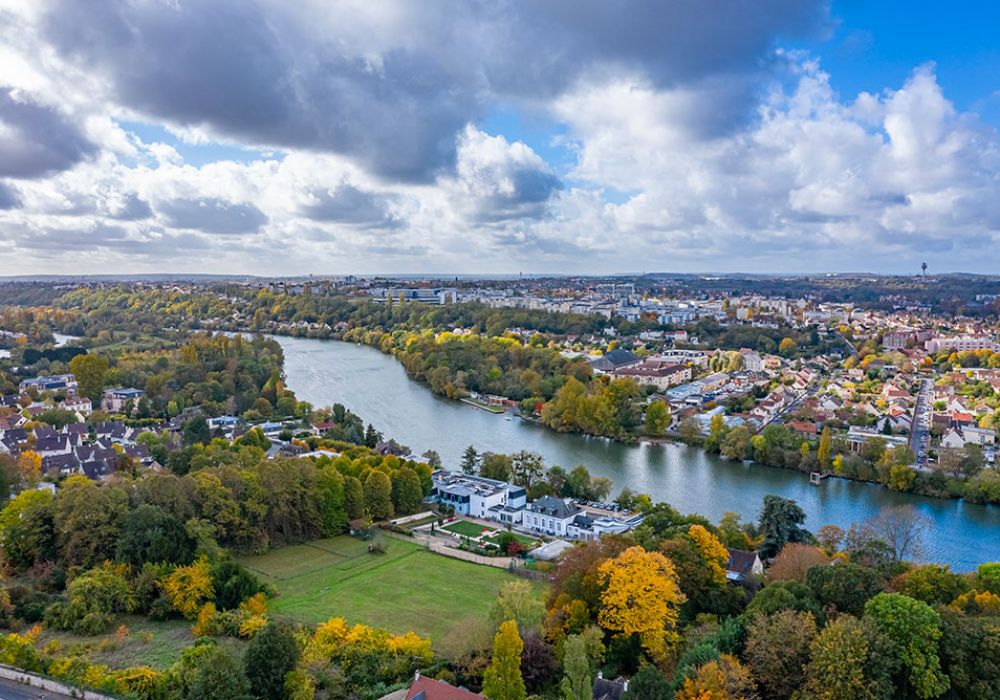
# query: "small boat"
{"points": [[507, 418]]}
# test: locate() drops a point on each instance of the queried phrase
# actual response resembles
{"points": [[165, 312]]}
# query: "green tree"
{"points": [[372, 436], [577, 683], [354, 497], [407, 493], [647, 684], [378, 495], [780, 522], [217, 676], [86, 518], [271, 655], [27, 530], [846, 586], [716, 433], [90, 371], [196, 431], [518, 601], [850, 660], [657, 418], [914, 628], [470, 460], [736, 444], [502, 679], [150, 534]]}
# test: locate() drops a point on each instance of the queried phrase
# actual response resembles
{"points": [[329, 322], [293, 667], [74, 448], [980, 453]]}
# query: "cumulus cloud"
{"points": [[392, 85], [687, 139], [213, 215], [348, 204], [35, 139], [498, 180]]}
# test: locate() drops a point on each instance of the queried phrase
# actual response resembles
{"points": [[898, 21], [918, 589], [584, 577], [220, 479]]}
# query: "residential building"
{"points": [[752, 361], [655, 373], [959, 343], [552, 516], [476, 495], [120, 399], [55, 382], [742, 564], [614, 360], [958, 437]]}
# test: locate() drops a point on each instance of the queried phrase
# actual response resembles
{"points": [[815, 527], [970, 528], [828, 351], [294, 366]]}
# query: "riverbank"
{"points": [[376, 386]]}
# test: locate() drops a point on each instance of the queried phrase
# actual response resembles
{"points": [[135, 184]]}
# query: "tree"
{"points": [[29, 466], [689, 430], [641, 597], [657, 418], [716, 433], [577, 683], [232, 584], [407, 493], [196, 431], [354, 497], [850, 660], [780, 522], [787, 347], [933, 584], [378, 495], [271, 655], [372, 436], [778, 649], [783, 595], [794, 561], [823, 450], [502, 679], [647, 684], [526, 467], [470, 460], [150, 534], [217, 676], [737, 443], [86, 517], [90, 371], [433, 459], [27, 531], [903, 529], [538, 662], [724, 678], [846, 586], [187, 587], [914, 628], [713, 554], [518, 601]]}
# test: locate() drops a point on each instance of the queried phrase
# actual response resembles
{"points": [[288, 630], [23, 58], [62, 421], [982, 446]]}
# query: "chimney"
{"points": [[625, 688], [416, 675], [600, 674]]}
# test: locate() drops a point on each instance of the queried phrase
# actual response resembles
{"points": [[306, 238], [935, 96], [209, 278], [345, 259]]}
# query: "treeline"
{"points": [[835, 616]]}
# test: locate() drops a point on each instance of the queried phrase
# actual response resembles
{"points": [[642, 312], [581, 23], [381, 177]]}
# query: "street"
{"points": [[10, 690], [920, 429]]}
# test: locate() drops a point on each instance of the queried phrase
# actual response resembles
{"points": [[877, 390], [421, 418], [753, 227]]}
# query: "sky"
{"points": [[463, 136]]}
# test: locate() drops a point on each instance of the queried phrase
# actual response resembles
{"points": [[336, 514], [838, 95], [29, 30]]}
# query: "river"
{"points": [[376, 387]]}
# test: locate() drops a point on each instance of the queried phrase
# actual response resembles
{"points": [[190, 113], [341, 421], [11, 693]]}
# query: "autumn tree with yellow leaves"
{"points": [[641, 596]]}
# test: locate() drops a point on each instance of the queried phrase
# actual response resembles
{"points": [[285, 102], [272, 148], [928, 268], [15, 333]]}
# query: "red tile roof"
{"points": [[439, 690]]}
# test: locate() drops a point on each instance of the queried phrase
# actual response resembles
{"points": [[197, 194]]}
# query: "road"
{"points": [[920, 428], [9, 690]]}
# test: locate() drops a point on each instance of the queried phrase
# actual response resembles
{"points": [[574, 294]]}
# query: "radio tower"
{"points": [[923, 268]]}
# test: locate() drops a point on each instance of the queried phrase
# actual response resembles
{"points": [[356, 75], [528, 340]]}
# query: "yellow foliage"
{"points": [[334, 637], [641, 597], [251, 625], [205, 624], [254, 605], [188, 586], [714, 553], [29, 465]]}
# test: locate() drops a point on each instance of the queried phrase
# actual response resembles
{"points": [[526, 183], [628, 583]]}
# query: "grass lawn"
{"points": [[464, 528], [407, 588], [155, 644]]}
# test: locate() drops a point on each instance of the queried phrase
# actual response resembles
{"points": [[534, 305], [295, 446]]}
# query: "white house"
{"points": [[958, 437], [476, 495], [552, 516]]}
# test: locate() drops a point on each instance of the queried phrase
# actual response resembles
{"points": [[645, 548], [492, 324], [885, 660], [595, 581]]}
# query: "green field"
{"points": [[407, 588], [464, 528]]}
